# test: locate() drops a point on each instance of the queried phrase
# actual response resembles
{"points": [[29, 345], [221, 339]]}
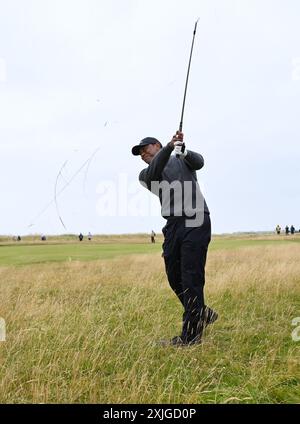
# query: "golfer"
{"points": [[187, 232]]}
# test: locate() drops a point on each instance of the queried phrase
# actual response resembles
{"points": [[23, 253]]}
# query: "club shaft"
{"points": [[187, 78]]}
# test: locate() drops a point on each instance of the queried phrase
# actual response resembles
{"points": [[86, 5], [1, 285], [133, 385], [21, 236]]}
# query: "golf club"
{"points": [[186, 84]]}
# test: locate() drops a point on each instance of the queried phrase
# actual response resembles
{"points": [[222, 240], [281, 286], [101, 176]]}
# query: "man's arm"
{"points": [[194, 160], [155, 168]]}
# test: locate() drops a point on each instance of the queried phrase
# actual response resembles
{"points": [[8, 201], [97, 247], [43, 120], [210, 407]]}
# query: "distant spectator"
{"points": [[287, 230], [19, 238], [90, 236], [292, 229], [80, 237], [278, 229], [153, 236], [43, 237]]}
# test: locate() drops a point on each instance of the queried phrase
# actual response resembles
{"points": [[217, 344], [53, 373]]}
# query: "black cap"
{"points": [[148, 140]]}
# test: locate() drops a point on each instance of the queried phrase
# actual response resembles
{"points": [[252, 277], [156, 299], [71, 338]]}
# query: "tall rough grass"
{"points": [[87, 331]]}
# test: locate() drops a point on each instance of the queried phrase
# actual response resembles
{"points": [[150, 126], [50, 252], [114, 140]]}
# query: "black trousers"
{"points": [[185, 251]]}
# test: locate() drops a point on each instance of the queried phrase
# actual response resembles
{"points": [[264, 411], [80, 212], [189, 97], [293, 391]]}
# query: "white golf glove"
{"points": [[179, 146]]}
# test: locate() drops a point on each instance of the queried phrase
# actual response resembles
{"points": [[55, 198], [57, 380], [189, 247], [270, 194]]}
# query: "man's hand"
{"points": [[180, 149], [178, 144], [177, 137]]}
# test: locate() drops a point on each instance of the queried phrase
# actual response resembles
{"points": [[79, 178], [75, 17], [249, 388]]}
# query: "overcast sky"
{"points": [[77, 76]]}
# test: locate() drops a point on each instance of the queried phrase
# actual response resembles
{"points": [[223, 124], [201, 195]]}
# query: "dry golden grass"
{"points": [[87, 331]]}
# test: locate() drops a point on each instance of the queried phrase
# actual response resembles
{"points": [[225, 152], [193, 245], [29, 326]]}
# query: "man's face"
{"points": [[148, 152]]}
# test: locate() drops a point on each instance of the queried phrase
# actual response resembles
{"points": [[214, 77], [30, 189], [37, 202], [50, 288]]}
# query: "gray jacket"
{"points": [[174, 181]]}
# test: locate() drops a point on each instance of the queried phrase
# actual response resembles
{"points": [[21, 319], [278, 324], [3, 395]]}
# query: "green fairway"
{"points": [[31, 253], [235, 243]]}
